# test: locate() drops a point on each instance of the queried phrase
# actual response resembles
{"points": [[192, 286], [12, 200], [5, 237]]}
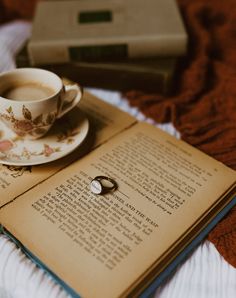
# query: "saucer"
{"points": [[65, 136]]}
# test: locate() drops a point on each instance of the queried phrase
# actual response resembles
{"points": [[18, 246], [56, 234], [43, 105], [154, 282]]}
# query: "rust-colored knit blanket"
{"points": [[203, 106]]}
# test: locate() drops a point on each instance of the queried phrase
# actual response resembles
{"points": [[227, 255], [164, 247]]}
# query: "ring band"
{"points": [[98, 185]]}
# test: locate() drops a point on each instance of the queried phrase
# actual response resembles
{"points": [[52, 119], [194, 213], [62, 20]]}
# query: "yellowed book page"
{"points": [[101, 245], [105, 122]]}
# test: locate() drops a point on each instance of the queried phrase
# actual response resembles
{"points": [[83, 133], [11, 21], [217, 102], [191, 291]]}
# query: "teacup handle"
{"points": [[69, 99]]}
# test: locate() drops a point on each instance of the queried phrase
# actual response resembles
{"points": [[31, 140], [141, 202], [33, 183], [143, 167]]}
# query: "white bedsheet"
{"points": [[204, 274]]}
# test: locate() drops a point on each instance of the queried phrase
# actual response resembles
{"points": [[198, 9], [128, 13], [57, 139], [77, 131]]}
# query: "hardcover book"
{"points": [[125, 242], [105, 30], [147, 74]]}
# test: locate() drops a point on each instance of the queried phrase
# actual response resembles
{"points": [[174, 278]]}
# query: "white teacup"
{"points": [[31, 99]]}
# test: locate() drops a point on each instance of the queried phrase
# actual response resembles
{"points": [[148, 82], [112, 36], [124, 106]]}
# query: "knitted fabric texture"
{"points": [[203, 104]]}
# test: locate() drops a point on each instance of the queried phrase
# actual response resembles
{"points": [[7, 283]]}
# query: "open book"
{"points": [[123, 243]]}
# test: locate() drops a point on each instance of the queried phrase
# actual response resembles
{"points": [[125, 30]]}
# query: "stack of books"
{"points": [[132, 41]]}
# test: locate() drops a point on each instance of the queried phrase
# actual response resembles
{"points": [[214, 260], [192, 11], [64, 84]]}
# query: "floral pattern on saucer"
{"points": [[6, 152], [65, 135]]}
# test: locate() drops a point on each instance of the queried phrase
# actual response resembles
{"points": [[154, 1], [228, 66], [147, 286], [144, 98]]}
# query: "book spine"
{"points": [[44, 53], [161, 47]]}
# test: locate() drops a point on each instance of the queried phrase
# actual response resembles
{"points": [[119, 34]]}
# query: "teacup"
{"points": [[31, 99]]}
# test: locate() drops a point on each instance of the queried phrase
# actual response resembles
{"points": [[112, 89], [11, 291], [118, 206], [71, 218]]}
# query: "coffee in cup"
{"points": [[27, 91]]}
